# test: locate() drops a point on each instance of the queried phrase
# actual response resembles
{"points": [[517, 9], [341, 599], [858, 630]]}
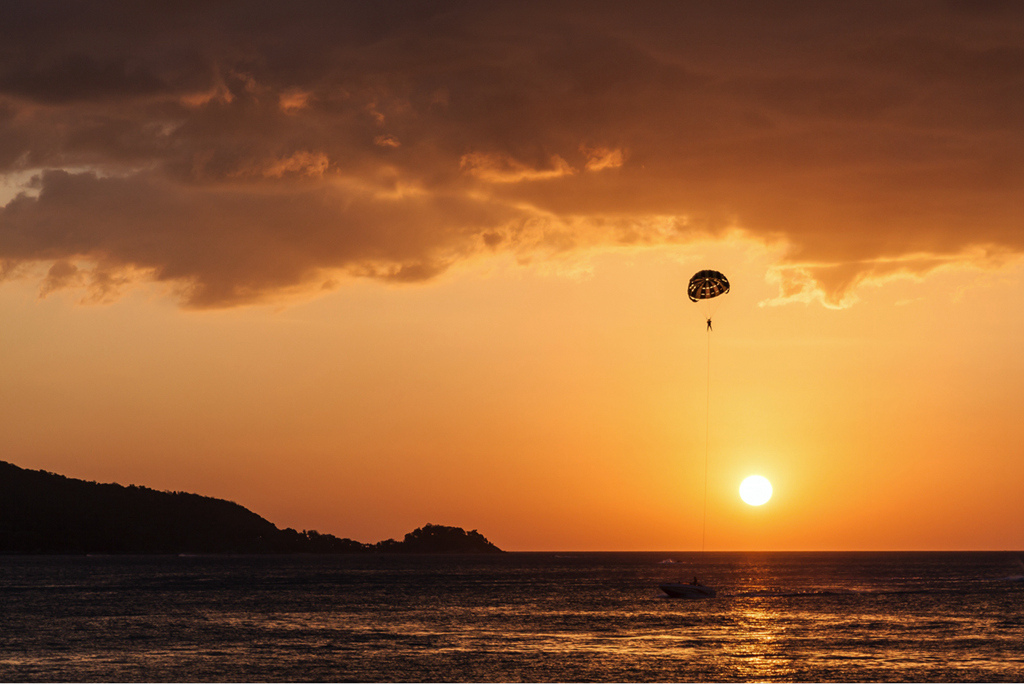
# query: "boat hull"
{"points": [[687, 591]]}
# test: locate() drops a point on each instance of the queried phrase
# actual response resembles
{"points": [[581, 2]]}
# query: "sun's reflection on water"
{"points": [[762, 652]]}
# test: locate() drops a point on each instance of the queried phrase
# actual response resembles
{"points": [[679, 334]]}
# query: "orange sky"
{"points": [[360, 268]]}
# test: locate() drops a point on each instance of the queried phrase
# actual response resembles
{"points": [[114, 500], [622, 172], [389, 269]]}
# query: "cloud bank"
{"points": [[241, 151]]}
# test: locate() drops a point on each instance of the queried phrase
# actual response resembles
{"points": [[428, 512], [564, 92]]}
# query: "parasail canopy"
{"points": [[707, 284]]}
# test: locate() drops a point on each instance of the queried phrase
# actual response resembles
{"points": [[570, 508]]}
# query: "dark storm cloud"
{"points": [[242, 150]]}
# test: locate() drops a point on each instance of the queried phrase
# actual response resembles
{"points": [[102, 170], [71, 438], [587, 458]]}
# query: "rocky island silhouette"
{"points": [[46, 513]]}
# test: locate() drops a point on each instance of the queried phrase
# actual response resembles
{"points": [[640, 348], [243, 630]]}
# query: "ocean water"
{"points": [[513, 617]]}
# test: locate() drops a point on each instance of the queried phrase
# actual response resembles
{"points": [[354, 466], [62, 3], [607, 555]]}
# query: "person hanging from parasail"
{"points": [[705, 286]]}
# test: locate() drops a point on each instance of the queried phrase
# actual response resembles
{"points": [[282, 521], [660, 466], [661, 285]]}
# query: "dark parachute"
{"points": [[703, 288], [707, 284]]}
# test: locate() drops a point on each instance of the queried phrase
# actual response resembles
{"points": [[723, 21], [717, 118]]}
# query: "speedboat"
{"points": [[687, 591]]}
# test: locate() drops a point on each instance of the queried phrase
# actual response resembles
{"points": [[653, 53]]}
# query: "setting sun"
{"points": [[755, 490]]}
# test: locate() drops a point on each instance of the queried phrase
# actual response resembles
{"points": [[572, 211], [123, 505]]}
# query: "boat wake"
{"points": [[788, 593], [829, 591]]}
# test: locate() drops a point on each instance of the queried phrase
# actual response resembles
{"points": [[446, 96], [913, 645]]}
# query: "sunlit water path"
{"points": [[513, 617]]}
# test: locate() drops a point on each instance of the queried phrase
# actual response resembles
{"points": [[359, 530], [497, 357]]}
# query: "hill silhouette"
{"points": [[43, 512], [439, 539]]}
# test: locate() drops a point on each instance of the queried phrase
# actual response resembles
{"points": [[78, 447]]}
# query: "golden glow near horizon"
{"points": [[360, 270], [550, 408]]}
